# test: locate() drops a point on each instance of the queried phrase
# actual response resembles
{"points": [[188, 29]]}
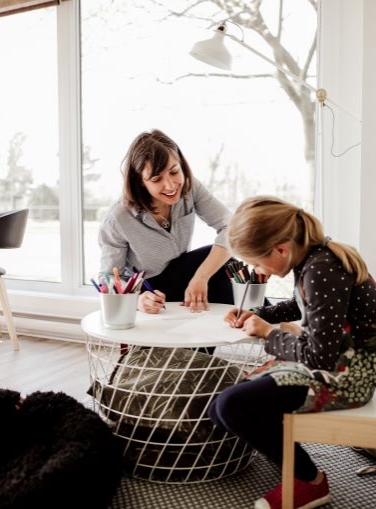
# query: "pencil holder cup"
{"points": [[119, 311], [255, 294]]}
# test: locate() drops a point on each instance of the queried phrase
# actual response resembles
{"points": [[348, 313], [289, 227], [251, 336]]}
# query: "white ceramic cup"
{"points": [[255, 294], [119, 311]]}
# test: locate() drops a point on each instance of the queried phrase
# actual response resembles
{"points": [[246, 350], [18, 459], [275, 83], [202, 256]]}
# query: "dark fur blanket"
{"points": [[55, 453]]}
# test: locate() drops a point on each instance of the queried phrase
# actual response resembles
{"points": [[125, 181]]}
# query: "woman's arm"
{"points": [[113, 243], [197, 289], [210, 210], [217, 216]]}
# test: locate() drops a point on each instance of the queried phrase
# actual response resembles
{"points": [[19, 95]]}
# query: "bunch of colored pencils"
{"points": [[114, 283], [238, 271]]}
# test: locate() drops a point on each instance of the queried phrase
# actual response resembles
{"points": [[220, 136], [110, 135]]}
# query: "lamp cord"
{"points": [[333, 140]]}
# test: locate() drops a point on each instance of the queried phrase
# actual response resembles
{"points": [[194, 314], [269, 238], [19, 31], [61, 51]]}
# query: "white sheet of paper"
{"points": [[204, 326]]}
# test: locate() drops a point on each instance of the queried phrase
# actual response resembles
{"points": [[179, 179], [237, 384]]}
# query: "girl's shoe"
{"points": [[306, 496]]}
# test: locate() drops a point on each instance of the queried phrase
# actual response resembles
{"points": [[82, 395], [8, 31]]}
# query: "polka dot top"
{"points": [[334, 313]]}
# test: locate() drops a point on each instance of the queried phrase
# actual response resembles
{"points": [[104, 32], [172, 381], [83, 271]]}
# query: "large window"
{"points": [[244, 132], [29, 140], [70, 109]]}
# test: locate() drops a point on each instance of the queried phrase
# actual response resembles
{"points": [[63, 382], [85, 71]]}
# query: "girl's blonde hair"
{"points": [[261, 222]]}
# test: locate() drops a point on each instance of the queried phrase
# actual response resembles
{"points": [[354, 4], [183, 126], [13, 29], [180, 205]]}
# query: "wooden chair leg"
{"points": [[8, 315], [288, 462]]}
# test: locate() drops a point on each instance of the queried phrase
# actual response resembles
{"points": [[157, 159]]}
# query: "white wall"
{"points": [[348, 73], [367, 233]]}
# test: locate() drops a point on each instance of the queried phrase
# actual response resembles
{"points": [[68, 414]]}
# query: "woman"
{"points": [[326, 362], [151, 227]]}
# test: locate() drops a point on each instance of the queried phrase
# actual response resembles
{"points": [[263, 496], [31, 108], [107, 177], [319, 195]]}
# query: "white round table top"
{"points": [[175, 326]]}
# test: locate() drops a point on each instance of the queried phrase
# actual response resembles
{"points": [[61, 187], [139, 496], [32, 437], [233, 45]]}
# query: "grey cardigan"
{"points": [[133, 239]]}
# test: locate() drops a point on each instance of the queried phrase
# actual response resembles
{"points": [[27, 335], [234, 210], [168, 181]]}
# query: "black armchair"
{"points": [[12, 230]]}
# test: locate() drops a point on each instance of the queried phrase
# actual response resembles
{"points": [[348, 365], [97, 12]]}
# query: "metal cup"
{"points": [[255, 294], [119, 311]]}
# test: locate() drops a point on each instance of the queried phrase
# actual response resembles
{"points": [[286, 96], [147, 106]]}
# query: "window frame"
{"points": [[68, 63], [9, 7]]}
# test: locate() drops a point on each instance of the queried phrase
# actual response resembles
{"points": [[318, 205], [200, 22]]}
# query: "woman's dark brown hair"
{"points": [[152, 147]]}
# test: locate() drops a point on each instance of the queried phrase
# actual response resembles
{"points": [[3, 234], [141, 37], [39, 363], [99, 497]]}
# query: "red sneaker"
{"points": [[306, 496]]}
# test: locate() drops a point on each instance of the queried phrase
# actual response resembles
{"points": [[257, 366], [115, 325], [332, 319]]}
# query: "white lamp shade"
{"points": [[213, 51]]}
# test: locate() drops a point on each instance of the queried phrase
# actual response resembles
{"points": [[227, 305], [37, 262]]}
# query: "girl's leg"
{"points": [[254, 410]]}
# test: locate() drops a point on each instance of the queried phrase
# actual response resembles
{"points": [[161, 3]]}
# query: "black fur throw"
{"points": [[55, 454]]}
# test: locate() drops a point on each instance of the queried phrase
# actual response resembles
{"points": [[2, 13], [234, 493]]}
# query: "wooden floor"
{"points": [[44, 365]]}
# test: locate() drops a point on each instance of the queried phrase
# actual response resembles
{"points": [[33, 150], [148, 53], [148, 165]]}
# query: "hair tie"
{"points": [[300, 212], [326, 240]]}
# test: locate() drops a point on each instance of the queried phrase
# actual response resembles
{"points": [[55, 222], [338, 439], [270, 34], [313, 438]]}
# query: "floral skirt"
{"points": [[351, 384]]}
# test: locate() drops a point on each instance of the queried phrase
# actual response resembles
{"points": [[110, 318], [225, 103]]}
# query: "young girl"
{"points": [[326, 362]]}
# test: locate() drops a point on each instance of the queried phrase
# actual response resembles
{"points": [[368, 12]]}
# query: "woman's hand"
{"points": [[196, 295], [151, 302]]}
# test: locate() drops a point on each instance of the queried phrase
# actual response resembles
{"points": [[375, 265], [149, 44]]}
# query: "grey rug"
{"points": [[349, 491]]}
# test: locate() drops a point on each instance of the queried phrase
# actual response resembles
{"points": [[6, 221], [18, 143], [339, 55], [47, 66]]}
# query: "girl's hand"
{"points": [[256, 326], [291, 327], [233, 321], [151, 302]]}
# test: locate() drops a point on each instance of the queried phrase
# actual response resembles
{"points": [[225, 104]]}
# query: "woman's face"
{"points": [[166, 187]]}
